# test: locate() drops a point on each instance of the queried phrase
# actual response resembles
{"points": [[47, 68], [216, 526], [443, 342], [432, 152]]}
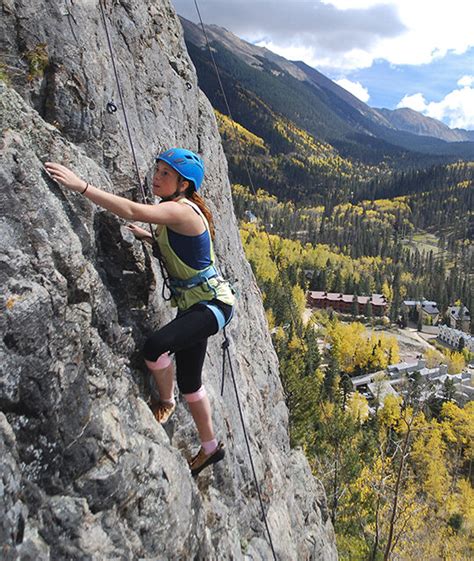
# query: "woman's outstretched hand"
{"points": [[65, 176], [139, 233]]}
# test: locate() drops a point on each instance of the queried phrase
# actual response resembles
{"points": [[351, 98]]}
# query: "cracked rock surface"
{"points": [[86, 473]]}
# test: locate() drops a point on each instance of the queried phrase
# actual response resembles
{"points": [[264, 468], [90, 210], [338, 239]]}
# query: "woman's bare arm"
{"points": [[168, 212]]}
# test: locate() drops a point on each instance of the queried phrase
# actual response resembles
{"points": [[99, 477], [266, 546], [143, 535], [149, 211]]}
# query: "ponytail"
{"points": [[192, 195], [197, 200]]}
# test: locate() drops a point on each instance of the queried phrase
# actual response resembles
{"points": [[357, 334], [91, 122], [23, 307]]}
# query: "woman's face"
{"points": [[165, 180]]}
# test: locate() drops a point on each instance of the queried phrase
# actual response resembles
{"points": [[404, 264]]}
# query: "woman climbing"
{"points": [[204, 301]]}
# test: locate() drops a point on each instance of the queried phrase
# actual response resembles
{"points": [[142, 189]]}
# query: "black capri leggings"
{"points": [[186, 336]]}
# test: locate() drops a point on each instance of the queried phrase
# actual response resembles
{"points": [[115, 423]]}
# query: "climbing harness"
{"points": [[199, 278]]}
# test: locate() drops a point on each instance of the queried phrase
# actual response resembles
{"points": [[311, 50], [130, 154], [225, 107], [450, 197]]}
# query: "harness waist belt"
{"points": [[198, 279]]}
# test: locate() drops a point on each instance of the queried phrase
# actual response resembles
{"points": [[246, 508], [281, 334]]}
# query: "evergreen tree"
{"points": [[313, 357]]}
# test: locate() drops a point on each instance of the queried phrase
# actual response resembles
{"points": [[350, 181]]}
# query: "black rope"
{"points": [[70, 17], [226, 354], [224, 346], [249, 175], [121, 98], [112, 108]]}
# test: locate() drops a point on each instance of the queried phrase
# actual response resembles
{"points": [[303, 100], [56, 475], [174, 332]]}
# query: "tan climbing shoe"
{"points": [[201, 460], [162, 411]]}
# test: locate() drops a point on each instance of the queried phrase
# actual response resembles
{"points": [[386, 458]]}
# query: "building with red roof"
{"points": [[345, 303]]}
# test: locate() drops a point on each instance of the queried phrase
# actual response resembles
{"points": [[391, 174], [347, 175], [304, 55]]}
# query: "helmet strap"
{"points": [[177, 193], [172, 197]]}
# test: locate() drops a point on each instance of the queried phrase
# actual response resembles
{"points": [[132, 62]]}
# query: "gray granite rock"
{"points": [[86, 472]]}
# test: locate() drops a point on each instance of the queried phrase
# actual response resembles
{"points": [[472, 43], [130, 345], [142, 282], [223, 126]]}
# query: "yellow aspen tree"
{"points": [[428, 455], [358, 407], [433, 358], [456, 363]]}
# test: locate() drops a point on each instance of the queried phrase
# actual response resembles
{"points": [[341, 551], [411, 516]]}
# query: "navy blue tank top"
{"points": [[195, 251]]}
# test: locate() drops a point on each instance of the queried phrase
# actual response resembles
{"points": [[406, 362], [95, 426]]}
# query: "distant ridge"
{"points": [[406, 119], [320, 106]]}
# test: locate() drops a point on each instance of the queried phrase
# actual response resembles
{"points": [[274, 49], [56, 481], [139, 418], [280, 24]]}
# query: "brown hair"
{"points": [[196, 199]]}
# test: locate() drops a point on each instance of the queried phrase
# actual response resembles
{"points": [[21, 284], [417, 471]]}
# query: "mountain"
{"points": [[304, 137], [469, 135], [312, 102], [408, 120]]}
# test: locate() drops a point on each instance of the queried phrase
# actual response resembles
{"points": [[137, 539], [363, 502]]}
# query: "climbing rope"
{"points": [[226, 353], [225, 344], [244, 159], [112, 108]]}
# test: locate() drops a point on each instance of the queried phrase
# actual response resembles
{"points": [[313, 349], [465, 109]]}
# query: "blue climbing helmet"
{"points": [[188, 164]]}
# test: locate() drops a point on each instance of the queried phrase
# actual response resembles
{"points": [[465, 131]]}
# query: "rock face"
{"points": [[86, 472]]}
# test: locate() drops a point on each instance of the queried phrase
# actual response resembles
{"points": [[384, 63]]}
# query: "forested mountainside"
{"points": [[393, 465], [261, 87], [289, 138], [371, 247]]}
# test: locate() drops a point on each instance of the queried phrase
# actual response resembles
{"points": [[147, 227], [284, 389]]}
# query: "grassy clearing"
{"points": [[426, 242]]}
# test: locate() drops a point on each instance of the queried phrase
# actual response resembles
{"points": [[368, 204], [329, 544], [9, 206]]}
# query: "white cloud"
{"points": [[466, 81], [347, 34], [327, 36], [356, 88], [431, 30], [417, 102], [355, 58], [456, 108]]}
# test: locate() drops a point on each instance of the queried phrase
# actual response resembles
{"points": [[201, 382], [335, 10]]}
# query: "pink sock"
{"points": [[209, 446], [171, 401]]}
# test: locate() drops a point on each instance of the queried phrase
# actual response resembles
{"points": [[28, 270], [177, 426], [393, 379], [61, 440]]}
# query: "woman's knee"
{"points": [[161, 363], [195, 396], [154, 347]]}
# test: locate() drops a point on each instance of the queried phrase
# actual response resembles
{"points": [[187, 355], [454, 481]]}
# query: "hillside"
{"points": [[408, 120]]}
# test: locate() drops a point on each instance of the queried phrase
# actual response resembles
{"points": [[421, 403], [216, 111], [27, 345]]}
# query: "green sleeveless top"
{"points": [[210, 289]]}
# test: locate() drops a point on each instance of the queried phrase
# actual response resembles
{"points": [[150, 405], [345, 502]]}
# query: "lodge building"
{"points": [[344, 303]]}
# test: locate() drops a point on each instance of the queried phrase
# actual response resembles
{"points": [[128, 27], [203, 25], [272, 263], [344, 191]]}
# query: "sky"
{"points": [[389, 53]]}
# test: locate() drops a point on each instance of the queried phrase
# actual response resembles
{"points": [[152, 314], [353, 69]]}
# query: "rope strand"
{"points": [[119, 89], [226, 353], [156, 249], [247, 169]]}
